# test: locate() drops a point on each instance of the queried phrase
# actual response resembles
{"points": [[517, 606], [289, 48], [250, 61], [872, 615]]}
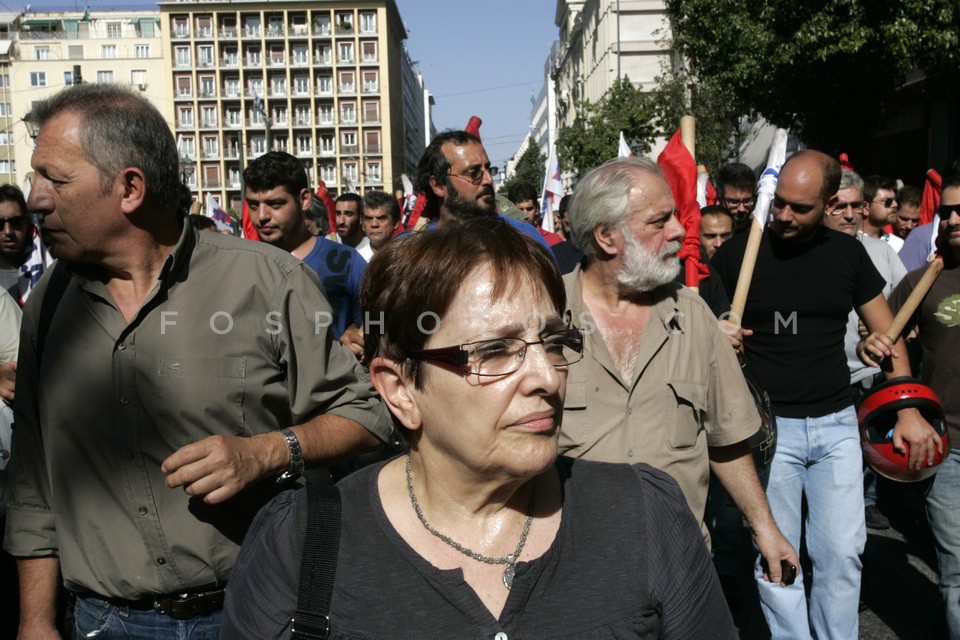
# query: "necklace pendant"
{"points": [[509, 571]]}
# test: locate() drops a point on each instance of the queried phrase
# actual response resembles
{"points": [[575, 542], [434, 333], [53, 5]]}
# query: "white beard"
{"points": [[643, 271]]}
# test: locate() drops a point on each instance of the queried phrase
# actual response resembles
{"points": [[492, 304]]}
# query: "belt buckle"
{"points": [[184, 606]]}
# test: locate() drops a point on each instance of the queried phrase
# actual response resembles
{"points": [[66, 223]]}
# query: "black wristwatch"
{"points": [[296, 458]]}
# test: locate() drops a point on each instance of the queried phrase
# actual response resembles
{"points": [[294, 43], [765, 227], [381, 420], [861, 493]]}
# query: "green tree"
{"points": [[595, 135], [832, 70], [530, 168]]}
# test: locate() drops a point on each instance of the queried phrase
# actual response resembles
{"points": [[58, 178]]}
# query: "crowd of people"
{"points": [[475, 428]]}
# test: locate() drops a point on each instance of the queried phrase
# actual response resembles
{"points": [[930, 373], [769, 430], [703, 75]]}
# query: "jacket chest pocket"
{"points": [[684, 412], [199, 397]]}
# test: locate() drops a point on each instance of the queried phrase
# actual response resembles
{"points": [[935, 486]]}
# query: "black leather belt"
{"points": [[181, 606]]}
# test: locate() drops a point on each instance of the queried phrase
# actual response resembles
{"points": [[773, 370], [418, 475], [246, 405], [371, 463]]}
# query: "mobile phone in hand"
{"points": [[788, 572]]}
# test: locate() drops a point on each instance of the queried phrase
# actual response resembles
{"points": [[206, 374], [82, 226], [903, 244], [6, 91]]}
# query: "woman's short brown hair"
{"points": [[421, 274]]}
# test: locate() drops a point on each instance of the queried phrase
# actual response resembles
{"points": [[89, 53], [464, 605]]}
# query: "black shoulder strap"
{"points": [[59, 280], [318, 565]]}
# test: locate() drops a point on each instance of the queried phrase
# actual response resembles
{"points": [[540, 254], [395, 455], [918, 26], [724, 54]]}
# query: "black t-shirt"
{"points": [[627, 562], [799, 300]]}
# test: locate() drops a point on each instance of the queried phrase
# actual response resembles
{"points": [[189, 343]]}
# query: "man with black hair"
{"points": [[525, 197], [15, 234], [456, 177], [880, 209], [736, 188], [909, 199], [349, 216], [277, 197], [381, 215], [716, 227]]}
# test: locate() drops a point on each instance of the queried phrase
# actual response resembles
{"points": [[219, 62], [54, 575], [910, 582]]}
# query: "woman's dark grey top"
{"points": [[628, 562]]}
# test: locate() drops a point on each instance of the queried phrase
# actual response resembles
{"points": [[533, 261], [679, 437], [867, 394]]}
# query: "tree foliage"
{"points": [[530, 168], [593, 138], [830, 69]]}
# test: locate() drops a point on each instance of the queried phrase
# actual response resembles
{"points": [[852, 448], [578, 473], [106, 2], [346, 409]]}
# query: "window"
{"points": [[321, 25], [233, 174], [373, 172], [324, 84], [371, 111], [325, 114], [138, 78], [278, 86], [211, 175], [187, 146], [41, 53], [114, 30], [4, 137], [189, 176], [254, 57], [277, 56], [329, 173], [368, 22], [280, 115], [371, 81], [252, 26], [147, 28], [4, 80], [211, 147], [180, 28], [324, 54], [104, 77], [67, 78], [304, 144], [141, 50], [207, 89], [280, 144], [230, 57], [205, 55], [326, 144], [8, 166], [108, 51], [345, 52], [233, 117], [347, 84], [348, 142], [231, 87], [256, 116], [204, 26], [258, 144], [182, 55], [6, 109], [75, 51], [344, 22], [301, 85], [184, 87], [369, 51], [256, 87], [301, 55], [186, 118], [302, 114], [38, 78], [348, 112], [208, 116], [350, 172], [371, 142]]}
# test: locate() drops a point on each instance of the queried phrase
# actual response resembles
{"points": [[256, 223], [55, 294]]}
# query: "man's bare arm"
{"points": [[8, 380], [39, 578], [219, 467]]}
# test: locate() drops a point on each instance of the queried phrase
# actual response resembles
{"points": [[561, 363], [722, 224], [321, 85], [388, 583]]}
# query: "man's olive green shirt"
{"points": [[232, 341]]}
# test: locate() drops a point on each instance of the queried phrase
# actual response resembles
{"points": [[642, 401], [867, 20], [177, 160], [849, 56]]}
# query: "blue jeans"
{"points": [[943, 513], [818, 458], [97, 618]]}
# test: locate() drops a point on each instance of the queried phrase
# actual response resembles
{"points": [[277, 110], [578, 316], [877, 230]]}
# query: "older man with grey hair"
{"points": [[659, 382]]}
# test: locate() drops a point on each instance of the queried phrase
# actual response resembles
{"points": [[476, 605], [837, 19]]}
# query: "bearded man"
{"points": [[659, 382]]}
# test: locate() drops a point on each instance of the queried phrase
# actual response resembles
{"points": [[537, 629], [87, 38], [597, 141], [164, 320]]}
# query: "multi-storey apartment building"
{"points": [[46, 51], [321, 80]]}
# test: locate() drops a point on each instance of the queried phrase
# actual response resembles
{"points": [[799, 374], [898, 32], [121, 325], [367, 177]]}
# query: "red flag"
{"points": [[845, 162], [932, 190], [680, 170], [329, 203], [247, 229]]}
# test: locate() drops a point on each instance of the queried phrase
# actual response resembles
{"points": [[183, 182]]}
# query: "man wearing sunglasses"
{"points": [[807, 279], [14, 235], [456, 176], [880, 209], [938, 323]]}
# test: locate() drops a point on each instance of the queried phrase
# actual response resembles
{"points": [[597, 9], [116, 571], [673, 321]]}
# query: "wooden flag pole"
{"points": [[688, 134], [915, 298], [739, 302]]}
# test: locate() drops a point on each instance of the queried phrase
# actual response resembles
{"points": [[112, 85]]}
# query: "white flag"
{"points": [[624, 150], [552, 192], [769, 177]]}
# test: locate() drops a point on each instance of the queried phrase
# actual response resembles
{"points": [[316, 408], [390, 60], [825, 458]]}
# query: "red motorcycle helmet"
{"points": [[877, 414]]}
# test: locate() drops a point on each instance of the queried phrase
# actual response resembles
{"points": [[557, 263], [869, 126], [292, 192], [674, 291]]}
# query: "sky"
{"points": [[477, 58]]}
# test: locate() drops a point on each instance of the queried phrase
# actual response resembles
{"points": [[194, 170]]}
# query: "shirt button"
{"points": [[500, 636], [142, 511], [121, 347], [630, 410], [629, 453], [124, 401], [161, 561], [129, 455]]}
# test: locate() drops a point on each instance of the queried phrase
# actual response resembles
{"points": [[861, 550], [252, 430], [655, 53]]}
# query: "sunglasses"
{"points": [[16, 222], [887, 202], [945, 210]]}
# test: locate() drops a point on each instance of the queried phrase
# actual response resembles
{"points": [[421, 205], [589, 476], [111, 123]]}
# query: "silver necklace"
{"points": [[510, 560]]}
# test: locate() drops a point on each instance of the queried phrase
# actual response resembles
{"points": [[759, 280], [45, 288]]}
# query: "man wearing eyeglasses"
{"points": [[880, 209], [659, 382], [938, 323], [14, 236], [456, 176], [736, 184], [844, 216], [807, 279]]}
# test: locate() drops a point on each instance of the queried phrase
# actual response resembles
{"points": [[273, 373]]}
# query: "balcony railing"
{"points": [[349, 149], [251, 32], [228, 32], [374, 148]]}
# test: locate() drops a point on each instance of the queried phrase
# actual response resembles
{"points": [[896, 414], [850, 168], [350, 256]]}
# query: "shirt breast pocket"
{"points": [[199, 397], [684, 412]]}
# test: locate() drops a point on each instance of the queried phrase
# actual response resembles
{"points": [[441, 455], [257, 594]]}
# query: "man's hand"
{"points": [[352, 339], [219, 467], [774, 548], [736, 333], [923, 439], [875, 348], [8, 380]]}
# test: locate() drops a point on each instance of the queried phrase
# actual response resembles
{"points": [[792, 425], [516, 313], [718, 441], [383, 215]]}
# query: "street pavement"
{"points": [[899, 599]]}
